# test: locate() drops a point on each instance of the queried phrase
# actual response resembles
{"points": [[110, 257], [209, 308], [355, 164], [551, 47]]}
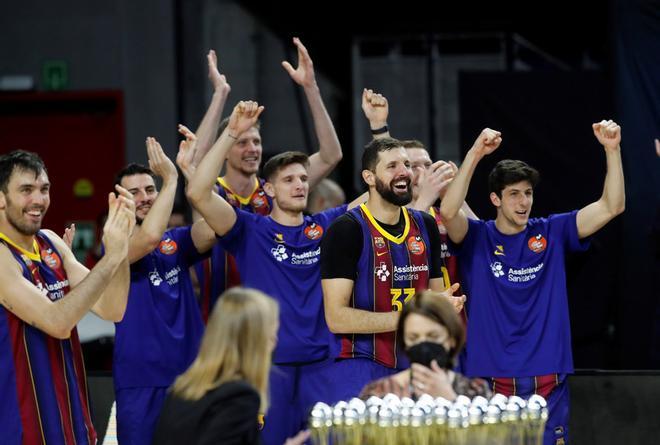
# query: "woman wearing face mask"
{"points": [[219, 398], [433, 336]]}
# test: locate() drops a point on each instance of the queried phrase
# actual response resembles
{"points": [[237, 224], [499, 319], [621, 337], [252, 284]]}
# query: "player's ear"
{"points": [[495, 199], [369, 177], [3, 200], [269, 189]]}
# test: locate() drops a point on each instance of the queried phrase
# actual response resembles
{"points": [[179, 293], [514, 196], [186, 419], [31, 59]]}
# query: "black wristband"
{"points": [[380, 130]]}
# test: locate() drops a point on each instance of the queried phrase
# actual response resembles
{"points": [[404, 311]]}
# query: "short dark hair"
{"points": [[225, 122], [435, 306], [19, 160], [413, 143], [279, 161], [374, 147], [511, 171], [133, 169]]}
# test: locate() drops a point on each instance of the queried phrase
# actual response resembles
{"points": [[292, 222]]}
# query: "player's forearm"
{"points": [[208, 128], [111, 305], [155, 223], [202, 182], [347, 320], [65, 313], [330, 152], [614, 194], [457, 190]]}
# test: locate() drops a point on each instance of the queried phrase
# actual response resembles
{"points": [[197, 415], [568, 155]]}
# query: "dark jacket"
{"points": [[225, 415]]}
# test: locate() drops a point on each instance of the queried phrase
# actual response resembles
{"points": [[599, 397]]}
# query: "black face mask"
{"points": [[425, 352]]}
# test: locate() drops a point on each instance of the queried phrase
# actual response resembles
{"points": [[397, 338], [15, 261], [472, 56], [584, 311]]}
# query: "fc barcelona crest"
{"points": [[379, 242]]}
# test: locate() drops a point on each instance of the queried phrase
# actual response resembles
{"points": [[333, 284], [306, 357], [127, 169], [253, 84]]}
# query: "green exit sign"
{"points": [[55, 75]]}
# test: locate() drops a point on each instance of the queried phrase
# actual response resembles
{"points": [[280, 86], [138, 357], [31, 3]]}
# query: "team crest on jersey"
{"points": [[379, 242], [231, 199], [50, 258], [537, 244], [26, 260], [314, 231], [259, 200], [416, 245], [167, 247]]}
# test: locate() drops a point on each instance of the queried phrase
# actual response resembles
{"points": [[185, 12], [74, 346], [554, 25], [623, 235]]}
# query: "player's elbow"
{"points": [[334, 323], [61, 332]]}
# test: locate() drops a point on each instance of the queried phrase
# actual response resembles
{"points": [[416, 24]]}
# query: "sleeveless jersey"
{"points": [[390, 271], [44, 388]]}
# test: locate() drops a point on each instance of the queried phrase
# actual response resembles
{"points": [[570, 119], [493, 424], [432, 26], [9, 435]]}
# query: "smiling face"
{"points": [[143, 189], [392, 179], [514, 207], [289, 187], [26, 201], [245, 155]]}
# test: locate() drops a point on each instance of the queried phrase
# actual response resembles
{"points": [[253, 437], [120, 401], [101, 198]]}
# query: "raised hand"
{"points": [[245, 116], [69, 235], [375, 108], [456, 301], [120, 223], [159, 163], [186, 154], [487, 141], [434, 181], [608, 134], [303, 75], [219, 81]]}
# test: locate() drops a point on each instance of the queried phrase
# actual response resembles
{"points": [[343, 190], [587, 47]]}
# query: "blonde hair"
{"points": [[235, 346]]}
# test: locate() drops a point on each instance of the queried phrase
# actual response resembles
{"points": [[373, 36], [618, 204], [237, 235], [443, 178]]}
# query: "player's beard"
{"points": [[389, 195], [14, 217]]}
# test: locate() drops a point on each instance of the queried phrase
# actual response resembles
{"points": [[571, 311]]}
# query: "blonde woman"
{"points": [[218, 399]]}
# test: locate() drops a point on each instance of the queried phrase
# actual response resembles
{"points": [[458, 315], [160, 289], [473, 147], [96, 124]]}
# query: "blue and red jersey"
{"points": [[517, 300], [390, 271], [220, 272], [44, 389], [284, 262]]}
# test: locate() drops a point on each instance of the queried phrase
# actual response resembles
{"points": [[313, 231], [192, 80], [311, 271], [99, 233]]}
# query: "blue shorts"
{"points": [[293, 391], [138, 410], [554, 388]]}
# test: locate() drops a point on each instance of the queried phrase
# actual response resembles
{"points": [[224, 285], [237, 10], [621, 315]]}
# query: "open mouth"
{"points": [[401, 186]]}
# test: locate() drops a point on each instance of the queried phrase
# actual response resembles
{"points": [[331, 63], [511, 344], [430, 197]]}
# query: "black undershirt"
{"points": [[342, 245]]}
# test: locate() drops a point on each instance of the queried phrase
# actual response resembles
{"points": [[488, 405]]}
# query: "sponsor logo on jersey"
{"points": [[279, 252], [416, 245], [167, 247], [379, 242], [521, 275], [50, 258], [496, 268], [499, 250], [314, 231], [381, 272], [155, 278], [537, 244], [259, 200], [279, 238]]}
